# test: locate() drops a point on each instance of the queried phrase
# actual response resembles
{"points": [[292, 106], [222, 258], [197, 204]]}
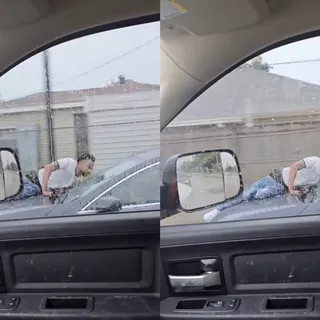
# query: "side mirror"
{"points": [[11, 183], [199, 180]]}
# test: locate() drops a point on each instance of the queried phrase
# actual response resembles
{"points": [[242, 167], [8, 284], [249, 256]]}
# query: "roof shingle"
{"points": [[39, 98], [255, 92]]}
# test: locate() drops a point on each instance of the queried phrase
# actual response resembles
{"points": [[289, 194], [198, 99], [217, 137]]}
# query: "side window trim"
{"points": [[84, 209]]}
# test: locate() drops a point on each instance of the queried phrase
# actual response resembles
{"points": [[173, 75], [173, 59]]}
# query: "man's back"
{"points": [[306, 176], [64, 176]]}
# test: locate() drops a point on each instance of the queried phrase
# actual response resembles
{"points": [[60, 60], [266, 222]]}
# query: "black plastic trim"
{"points": [[89, 306], [240, 230], [309, 304], [105, 307], [85, 225], [248, 307]]}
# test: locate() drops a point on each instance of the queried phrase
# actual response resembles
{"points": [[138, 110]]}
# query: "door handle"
{"points": [[205, 280]]}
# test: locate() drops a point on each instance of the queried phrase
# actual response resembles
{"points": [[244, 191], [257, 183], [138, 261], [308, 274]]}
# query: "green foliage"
{"points": [[258, 64], [122, 79], [203, 161], [12, 166]]}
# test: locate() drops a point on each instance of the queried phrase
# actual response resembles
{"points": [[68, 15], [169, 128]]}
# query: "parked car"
{"points": [[131, 185], [281, 206]]}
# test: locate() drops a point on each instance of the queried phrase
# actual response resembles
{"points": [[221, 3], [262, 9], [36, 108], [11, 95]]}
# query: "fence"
{"points": [[269, 144]]}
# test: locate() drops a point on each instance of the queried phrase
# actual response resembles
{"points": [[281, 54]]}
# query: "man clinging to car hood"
{"points": [[64, 172]]}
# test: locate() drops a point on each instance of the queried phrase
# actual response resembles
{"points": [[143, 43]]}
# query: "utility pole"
{"points": [[48, 104]]}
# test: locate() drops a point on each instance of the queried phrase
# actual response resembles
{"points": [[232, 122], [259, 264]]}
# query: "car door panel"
{"points": [[268, 269], [80, 267]]}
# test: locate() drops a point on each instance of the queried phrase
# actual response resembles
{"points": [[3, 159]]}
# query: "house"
{"points": [[81, 121], [123, 124], [267, 119]]}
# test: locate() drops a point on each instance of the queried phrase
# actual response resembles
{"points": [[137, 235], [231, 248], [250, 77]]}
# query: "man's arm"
{"points": [[47, 170], [294, 168]]}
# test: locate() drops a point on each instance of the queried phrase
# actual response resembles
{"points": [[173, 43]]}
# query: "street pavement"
{"points": [[207, 189]]}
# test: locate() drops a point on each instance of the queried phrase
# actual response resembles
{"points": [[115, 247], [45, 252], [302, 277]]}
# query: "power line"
{"points": [[293, 62], [110, 61], [93, 69]]}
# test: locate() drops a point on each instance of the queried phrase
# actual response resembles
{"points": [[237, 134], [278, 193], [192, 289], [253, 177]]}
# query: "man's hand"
{"points": [[47, 194], [296, 192], [292, 174]]}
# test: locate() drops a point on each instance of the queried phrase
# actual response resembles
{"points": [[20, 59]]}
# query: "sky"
{"points": [[91, 61], [95, 60], [308, 49]]}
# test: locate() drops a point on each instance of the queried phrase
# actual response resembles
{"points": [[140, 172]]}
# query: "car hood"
{"points": [[282, 206], [40, 207], [35, 207]]}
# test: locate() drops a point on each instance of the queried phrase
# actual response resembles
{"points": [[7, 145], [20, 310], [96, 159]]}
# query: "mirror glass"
{"points": [[206, 179], [9, 175]]}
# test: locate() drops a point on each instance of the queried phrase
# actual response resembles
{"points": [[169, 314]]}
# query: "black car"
{"points": [[127, 187]]}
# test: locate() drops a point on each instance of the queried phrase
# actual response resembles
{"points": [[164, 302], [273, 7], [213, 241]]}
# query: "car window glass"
{"points": [[267, 112], [100, 180], [96, 95], [141, 188]]}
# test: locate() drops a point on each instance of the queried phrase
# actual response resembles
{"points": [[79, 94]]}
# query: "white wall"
{"points": [[122, 125]]}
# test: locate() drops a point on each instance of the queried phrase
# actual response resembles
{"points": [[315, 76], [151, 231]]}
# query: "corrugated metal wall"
{"points": [[118, 126], [260, 149], [64, 132], [38, 119], [122, 125], [63, 128]]}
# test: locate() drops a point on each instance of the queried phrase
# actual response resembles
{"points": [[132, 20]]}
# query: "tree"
{"points": [[258, 64], [207, 160], [122, 79], [12, 166]]}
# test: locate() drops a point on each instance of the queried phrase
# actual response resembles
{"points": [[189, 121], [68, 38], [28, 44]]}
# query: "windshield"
{"points": [[141, 187], [103, 179], [266, 111]]}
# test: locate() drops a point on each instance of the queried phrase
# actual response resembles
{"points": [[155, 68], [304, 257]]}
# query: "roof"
{"points": [[39, 98], [255, 92]]}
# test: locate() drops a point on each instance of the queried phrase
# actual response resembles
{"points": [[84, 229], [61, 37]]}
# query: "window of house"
{"points": [[266, 111]]}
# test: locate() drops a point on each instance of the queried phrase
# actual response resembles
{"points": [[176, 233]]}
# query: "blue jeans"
{"points": [[29, 190], [264, 188]]}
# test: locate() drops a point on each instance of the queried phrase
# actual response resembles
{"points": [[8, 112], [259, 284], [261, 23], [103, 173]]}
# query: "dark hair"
{"points": [[86, 156]]}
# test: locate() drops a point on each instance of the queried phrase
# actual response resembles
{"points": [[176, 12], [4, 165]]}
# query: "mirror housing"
{"points": [[199, 180], [11, 182]]}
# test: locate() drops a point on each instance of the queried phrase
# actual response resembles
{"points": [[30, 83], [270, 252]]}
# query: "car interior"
{"points": [[258, 269], [75, 267], [107, 266]]}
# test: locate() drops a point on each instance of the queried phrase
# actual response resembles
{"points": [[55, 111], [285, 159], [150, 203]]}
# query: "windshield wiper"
{"points": [[141, 203], [107, 204]]}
